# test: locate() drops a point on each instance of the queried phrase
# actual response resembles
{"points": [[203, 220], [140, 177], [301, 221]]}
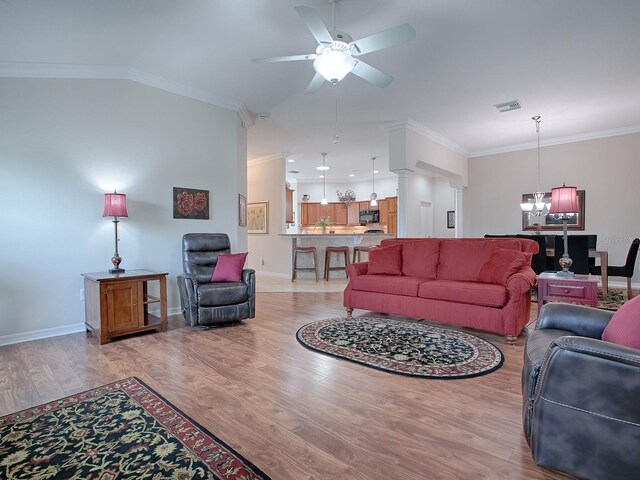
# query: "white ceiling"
{"points": [[574, 62]]}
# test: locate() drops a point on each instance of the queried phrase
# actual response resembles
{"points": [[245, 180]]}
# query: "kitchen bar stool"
{"points": [[361, 248], [296, 268], [327, 259]]}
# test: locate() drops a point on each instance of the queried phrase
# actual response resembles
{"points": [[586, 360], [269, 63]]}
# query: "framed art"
{"points": [[242, 210], [190, 203], [451, 219], [552, 222], [258, 218]]}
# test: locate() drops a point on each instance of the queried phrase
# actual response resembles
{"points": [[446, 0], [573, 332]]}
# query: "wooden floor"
{"points": [[295, 413]]}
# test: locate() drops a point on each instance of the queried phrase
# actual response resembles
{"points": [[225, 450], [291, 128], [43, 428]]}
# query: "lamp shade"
{"points": [[333, 65], [115, 205], [564, 200]]}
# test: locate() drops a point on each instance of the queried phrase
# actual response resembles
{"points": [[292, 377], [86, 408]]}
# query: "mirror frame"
{"points": [[550, 222]]}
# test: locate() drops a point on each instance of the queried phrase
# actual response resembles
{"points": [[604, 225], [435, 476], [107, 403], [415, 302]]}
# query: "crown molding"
{"points": [[266, 158], [428, 133], [116, 72]]}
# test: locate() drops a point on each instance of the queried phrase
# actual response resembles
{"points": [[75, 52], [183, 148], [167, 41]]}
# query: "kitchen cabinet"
{"points": [[340, 214], [353, 214]]}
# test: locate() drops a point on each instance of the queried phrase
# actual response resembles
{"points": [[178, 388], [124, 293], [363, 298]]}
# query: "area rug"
{"points": [[615, 299], [121, 430], [402, 347]]}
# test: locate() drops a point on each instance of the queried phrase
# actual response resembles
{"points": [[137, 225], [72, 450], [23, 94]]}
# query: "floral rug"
{"points": [[407, 348], [615, 298], [117, 431]]}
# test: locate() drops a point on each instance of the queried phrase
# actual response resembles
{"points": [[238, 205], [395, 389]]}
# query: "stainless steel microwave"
{"points": [[369, 216]]}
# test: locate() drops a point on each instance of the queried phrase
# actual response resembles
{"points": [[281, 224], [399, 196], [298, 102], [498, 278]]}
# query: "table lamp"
{"points": [[115, 205], [564, 204]]}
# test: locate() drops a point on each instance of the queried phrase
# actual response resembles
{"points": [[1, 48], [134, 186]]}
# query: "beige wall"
{"points": [[608, 170]]}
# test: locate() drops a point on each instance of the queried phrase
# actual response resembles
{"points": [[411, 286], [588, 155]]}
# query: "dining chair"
{"points": [[578, 246], [625, 270]]}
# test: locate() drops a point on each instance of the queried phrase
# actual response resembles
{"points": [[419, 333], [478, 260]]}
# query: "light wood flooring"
{"points": [[295, 413]]}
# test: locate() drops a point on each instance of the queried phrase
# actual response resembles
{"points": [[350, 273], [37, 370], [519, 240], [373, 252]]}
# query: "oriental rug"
{"points": [[402, 347], [123, 430]]}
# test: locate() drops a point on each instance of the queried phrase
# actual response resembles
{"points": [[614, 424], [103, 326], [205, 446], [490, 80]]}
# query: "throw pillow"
{"points": [[229, 268], [385, 260], [624, 326], [501, 264]]}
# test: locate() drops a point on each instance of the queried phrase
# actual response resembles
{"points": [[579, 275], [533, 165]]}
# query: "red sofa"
{"points": [[440, 280]]}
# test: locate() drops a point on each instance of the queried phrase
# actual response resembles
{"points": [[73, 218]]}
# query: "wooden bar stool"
{"points": [[327, 259], [295, 268], [361, 248]]}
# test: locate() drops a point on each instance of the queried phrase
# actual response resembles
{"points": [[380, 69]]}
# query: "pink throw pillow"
{"points": [[385, 260], [501, 264], [229, 268], [624, 326]]}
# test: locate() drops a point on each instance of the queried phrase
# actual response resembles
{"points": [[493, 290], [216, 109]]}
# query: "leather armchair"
{"points": [[581, 412], [209, 304]]}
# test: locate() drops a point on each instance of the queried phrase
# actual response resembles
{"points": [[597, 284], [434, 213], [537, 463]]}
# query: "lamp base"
{"points": [[562, 273], [116, 270]]}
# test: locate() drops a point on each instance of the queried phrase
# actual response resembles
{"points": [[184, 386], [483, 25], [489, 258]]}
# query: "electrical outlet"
{"points": [[82, 294], [262, 261]]}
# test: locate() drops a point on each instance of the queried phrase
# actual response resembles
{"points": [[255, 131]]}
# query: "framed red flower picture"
{"points": [[190, 203]]}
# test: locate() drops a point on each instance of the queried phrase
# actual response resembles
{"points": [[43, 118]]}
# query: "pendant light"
{"points": [[538, 208], [324, 200], [374, 195]]}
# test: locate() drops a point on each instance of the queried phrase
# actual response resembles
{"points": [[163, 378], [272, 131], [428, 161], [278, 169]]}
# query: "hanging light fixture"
{"points": [[324, 200], [538, 208], [374, 195]]}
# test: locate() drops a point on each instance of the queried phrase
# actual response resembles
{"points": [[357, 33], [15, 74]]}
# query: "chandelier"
{"points": [[374, 195], [538, 208]]}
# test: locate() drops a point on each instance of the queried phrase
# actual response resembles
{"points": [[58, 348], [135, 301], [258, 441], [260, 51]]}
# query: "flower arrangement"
{"points": [[348, 197], [324, 222]]}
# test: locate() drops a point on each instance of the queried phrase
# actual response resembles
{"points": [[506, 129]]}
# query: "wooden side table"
{"points": [[118, 304], [582, 289]]}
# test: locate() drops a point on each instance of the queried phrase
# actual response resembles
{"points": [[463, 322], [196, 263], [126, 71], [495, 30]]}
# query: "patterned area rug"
{"points": [[121, 430], [407, 348], [615, 298]]}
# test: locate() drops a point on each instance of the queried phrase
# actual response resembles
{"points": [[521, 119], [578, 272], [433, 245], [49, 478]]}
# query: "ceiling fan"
{"points": [[336, 53]]}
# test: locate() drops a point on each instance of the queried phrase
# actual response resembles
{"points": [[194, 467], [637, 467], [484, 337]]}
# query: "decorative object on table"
{"points": [[242, 210], [615, 299], [258, 218], [190, 203], [324, 169], [451, 219], [324, 223], [122, 430], [305, 198], [538, 207], [625, 270], [348, 197], [374, 195], [551, 222], [115, 205], [403, 347], [564, 203]]}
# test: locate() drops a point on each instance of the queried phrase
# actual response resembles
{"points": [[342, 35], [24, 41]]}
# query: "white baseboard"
{"points": [[38, 334], [273, 274]]}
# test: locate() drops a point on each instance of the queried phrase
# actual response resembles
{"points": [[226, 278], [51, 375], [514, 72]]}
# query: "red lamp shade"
{"points": [[564, 200], [115, 205]]}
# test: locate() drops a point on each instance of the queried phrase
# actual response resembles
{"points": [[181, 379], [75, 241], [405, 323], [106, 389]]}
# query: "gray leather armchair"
{"points": [[581, 395], [209, 304]]}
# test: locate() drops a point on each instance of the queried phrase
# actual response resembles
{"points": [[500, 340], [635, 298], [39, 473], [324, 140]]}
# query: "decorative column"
{"points": [[458, 206], [403, 200]]}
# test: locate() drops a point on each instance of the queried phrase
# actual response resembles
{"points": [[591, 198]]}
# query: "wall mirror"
{"points": [[551, 222]]}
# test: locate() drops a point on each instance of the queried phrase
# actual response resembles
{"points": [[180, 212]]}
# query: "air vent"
{"points": [[264, 116], [508, 106], [293, 171]]}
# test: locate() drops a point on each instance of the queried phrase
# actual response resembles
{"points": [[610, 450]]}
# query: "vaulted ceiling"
{"points": [[574, 62]]}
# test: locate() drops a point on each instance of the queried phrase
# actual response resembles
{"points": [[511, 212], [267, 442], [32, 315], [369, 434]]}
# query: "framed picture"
{"points": [[451, 219], [552, 222], [242, 210], [190, 203], [258, 217]]}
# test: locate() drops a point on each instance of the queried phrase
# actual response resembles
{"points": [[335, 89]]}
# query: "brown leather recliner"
{"points": [[210, 304]]}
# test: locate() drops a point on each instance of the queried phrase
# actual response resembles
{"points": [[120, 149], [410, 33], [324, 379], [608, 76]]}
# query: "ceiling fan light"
{"points": [[333, 65]]}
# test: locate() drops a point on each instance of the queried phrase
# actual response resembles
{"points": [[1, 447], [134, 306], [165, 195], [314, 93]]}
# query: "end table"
{"points": [[581, 289]]}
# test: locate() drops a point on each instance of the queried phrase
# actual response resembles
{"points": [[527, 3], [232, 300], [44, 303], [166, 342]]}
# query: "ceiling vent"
{"points": [[264, 116], [508, 106], [293, 171]]}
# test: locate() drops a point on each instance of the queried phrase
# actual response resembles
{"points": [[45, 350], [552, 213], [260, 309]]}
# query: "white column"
{"points": [[403, 200], [459, 208]]}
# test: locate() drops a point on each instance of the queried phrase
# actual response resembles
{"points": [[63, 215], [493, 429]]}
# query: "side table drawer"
{"points": [[567, 291]]}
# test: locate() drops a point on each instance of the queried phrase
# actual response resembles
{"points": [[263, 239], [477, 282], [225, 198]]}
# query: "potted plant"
{"points": [[324, 222]]}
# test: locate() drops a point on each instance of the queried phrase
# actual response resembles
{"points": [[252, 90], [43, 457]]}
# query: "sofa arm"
{"points": [[355, 269], [579, 319], [249, 277], [522, 281]]}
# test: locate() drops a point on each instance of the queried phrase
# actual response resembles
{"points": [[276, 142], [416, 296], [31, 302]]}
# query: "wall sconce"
{"points": [[115, 205]]}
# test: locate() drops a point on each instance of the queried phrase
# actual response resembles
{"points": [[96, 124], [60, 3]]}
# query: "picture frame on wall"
{"points": [[451, 219], [242, 210], [258, 218], [190, 203]]}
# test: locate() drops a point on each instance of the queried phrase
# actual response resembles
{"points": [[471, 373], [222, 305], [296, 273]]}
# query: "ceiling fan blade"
{"points": [[315, 84], [314, 23], [371, 74], [385, 39], [288, 58]]}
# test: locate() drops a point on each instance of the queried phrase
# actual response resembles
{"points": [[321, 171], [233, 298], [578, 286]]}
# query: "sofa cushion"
{"points": [[385, 260], [394, 285], [462, 258], [624, 326], [485, 294], [220, 294], [501, 264], [229, 268], [420, 258]]}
